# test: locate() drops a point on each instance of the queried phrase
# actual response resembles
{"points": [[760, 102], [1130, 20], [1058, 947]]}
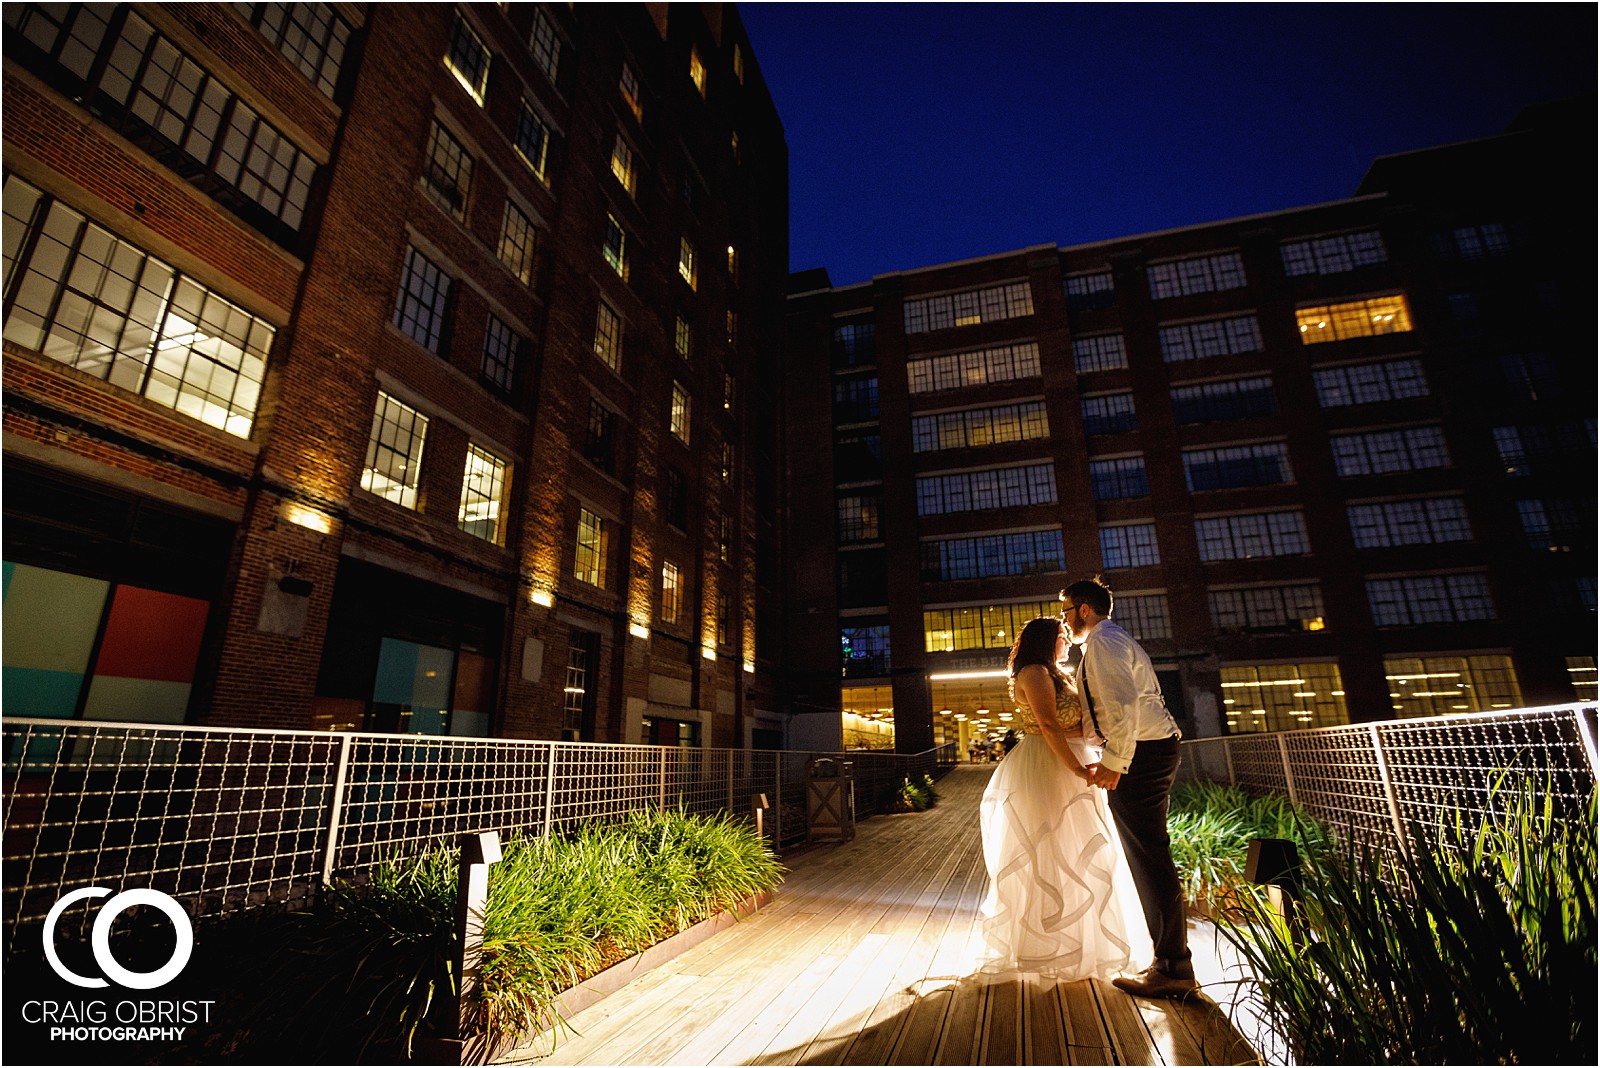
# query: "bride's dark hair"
{"points": [[1037, 645]]}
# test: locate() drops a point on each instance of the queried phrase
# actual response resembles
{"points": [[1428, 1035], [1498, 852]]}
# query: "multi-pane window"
{"points": [[724, 548], [858, 456], [1211, 337], [1202, 274], [678, 413], [1213, 402], [546, 46], [1105, 352], [1129, 545], [600, 437], [1247, 537], [1369, 383], [1333, 255], [978, 427], [1416, 599], [1472, 242], [738, 62], [468, 58], [1029, 552], [483, 485], [622, 163], [730, 387], [608, 335], [854, 343], [500, 347], [1523, 449], [1555, 524], [614, 246], [424, 295], [732, 324], [1355, 318], [1266, 464], [682, 337], [985, 367], [1143, 615], [81, 295], [1423, 521], [593, 545], [686, 263], [143, 85], [855, 400], [1530, 375], [697, 71], [517, 243], [629, 85], [980, 626], [312, 36], [1296, 606], [676, 498], [1119, 478], [997, 487], [1282, 697], [733, 265], [394, 451], [727, 461], [858, 517], [1585, 683], [865, 651], [532, 140], [1380, 452], [447, 171], [1451, 685], [1110, 413], [1090, 292], [575, 704], [994, 304]]}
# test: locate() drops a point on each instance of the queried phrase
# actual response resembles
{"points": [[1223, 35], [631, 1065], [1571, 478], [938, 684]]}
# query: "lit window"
{"points": [[622, 163], [1581, 671], [738, 62], [500, 347], [447, 173], [686, 266], [733, 263], [590, 560], [732, 326], [629, 84], [311, 36], [1356, 318], [980, 626], [424, 295], [1013, 300], [1281, 697], [483, 484], [978, 427], [728, 386], [545, 45], [727, 462], [853, 343], [697, 71], [1451, 685], [164, 335], [678, 419], [682, 336], [858, 518], [516, 246], [614, 246], [671, 593], [394, 452], [608, 336], [468, 59], [533, 140]]}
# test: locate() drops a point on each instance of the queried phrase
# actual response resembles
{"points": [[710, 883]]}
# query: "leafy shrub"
{"points": [[1478, 949], [916, 795], [1211, 825]]}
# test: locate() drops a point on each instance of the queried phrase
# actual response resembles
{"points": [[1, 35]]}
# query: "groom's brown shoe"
{"points": [[1152, 983]]}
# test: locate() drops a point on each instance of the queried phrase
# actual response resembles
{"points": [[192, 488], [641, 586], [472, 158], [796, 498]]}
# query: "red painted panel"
{"points": [[152, 635]]}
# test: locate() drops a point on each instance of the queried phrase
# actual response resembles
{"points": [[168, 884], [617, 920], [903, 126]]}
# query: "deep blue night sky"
{"points": [[924, 133]]}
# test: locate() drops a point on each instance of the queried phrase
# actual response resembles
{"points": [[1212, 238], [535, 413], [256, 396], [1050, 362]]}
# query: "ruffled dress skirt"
{"points": [[1061, 900]]}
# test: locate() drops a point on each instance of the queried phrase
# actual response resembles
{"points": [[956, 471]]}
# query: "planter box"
{"points": [[481, 1049]]}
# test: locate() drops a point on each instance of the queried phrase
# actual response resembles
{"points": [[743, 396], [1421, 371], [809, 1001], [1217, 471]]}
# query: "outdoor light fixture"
{"points": [[310, 518], [708, 653], [639, 630], [542, 598], [996, 674], [750, 666]]}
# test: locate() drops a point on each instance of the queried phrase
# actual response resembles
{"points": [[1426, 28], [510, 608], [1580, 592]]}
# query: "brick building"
{"points": [[1337, 462], [393, 367]]}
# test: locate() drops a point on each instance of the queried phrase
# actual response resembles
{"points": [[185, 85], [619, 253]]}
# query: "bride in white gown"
{"points": [[1061, 901]]}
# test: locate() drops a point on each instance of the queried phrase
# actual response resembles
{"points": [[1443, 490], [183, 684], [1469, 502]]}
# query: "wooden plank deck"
{"points": [[864, 957]]}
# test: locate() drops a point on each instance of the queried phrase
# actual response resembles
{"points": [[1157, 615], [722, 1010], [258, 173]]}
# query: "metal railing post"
{"points": [[661, 782], [341, 775], [1388, 792], [1288, 776], [730, 782], [549, 790], [777, 795], [1227, 758], [1585, 718]]}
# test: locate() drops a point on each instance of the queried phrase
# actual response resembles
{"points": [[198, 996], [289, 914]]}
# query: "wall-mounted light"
{"points": [[708, 652], [310, 518], [639, 630], [541, 597], [750, 666]]}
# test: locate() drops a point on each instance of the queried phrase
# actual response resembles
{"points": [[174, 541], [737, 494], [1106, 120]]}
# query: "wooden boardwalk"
{"points": [[864, 957]]}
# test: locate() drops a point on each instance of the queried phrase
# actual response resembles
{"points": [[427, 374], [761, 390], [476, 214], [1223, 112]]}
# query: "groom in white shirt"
{"points": [[1140, 760]]}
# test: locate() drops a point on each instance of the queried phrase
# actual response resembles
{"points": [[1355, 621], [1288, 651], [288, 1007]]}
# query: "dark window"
{"points": [[424, 294], [1212, 402], [855, 400], [858, 457], [600, 437], [677, 499], [855, 343]]}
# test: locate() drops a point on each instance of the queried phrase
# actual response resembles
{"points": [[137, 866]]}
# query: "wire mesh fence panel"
{"points": [[1204, 759], [1258, 763], [1337, 779]]}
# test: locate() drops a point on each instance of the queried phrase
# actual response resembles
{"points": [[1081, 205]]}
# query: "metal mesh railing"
{"points": [[1382, 782], [224, 818]]}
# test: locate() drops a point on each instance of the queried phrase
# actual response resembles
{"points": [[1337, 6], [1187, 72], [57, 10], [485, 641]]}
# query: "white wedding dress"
{"points": [[1061, 900]]}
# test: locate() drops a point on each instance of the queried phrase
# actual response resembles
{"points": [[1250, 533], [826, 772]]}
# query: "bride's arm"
{"points": [[1035, 686]]}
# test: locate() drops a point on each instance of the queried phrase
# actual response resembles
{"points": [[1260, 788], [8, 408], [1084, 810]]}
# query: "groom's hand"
{"points": [[1105, 778]]}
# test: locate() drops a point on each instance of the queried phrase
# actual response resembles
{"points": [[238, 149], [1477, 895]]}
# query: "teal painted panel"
{"points": [[397, 672], [6, 568], [37, 692]]}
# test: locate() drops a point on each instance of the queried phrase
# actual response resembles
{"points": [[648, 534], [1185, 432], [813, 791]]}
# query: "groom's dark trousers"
{"points": [[1139, 808]]}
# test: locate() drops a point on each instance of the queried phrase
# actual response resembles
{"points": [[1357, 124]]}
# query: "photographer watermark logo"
{"points": [[100, 939]]}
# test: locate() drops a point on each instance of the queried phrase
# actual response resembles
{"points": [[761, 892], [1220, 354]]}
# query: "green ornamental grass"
{"points": [[1211, 825]]}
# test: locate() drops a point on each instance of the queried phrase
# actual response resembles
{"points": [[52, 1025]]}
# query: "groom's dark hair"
{"points": [[1092, 592]]}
